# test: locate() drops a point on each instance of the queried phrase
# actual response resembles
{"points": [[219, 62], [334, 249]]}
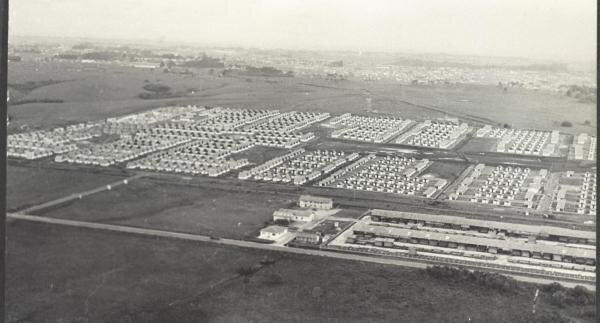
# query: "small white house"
{"points": [[272, 232]]}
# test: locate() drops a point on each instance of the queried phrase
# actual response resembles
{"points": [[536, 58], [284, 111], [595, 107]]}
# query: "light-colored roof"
{"points": [[512, 227], [315, 199], [296, 212]]}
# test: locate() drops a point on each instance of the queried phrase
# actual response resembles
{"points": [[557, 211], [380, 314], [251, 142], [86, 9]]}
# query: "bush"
{"points": [[282, 222], [559, 298], [552, 288], [157, 88], [566, 124], [482, 278]]}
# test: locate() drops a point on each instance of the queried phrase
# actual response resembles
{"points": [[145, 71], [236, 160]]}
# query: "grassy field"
{"points": [[30, 185], [446, 170], [100, 91], [479, 144], [66, 274], [259, 154], [180, 208]]}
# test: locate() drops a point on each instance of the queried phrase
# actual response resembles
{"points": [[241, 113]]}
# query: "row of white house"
{"points": [[44, 143], [299, 166], [289, 121], [435, 134], [368, 129], [124, 149], [501, 185]]}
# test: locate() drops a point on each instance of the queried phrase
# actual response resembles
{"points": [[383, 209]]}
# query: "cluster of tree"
{"points": [[14, 58], [157, 91], [584, 94], [339, 63], [335, 77], [265, 71], [566, 124], [67, 56], [482, 278], [171, 56], [32, 85], [282, 222], [204, 62], [102, 56], [25, 101], [560, 296]]}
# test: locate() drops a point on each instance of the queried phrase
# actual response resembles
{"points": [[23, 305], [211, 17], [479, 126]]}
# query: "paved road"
{"points": [[256, 245], [80, 195]]}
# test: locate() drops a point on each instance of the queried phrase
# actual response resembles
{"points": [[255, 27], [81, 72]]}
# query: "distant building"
{"points": [[315, 202]]}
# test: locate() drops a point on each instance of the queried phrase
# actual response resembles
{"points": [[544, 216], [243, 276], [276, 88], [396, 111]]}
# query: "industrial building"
{"points": [[550, 252], [512, 230]]}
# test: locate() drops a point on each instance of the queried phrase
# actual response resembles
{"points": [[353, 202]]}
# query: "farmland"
{"points": [[91, 276], [100, 91]]}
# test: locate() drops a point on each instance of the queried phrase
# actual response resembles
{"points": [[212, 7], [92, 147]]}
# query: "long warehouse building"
{"points": [[495, 246], [509, 229]]}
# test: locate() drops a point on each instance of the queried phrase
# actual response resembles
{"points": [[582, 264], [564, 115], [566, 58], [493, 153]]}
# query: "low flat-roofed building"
{"points": [[308, 237], [294, 215], [316, 202], [272, 232]]}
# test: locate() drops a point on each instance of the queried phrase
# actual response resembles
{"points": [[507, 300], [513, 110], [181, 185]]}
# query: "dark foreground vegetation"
{"points": [[57, 273], [578, 299]]}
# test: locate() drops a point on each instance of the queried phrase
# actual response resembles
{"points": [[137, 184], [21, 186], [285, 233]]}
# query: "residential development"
{"points": [[348, 156]]}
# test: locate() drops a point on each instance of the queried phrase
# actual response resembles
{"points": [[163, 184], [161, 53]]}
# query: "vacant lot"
{"points": [[31, 185], [65, 274], [446, 170], [180, 208]]}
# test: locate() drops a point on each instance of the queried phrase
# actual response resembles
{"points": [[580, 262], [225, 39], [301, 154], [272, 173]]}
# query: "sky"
{"points": [[548, 29]]}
